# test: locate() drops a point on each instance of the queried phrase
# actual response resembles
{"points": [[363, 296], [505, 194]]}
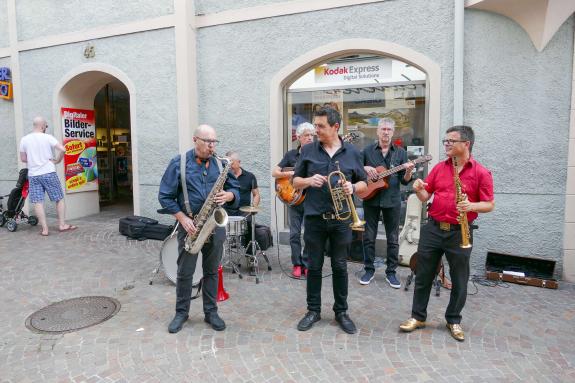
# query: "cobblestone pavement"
{"points": [[514, 333]]}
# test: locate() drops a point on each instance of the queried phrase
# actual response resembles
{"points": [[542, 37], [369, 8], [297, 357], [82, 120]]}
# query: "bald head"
{"points": [[204, 129], [39, 124], [205, 141]]}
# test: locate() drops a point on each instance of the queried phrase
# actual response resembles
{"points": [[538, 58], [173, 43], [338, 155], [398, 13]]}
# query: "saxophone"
{"points": [[210, 215], [462, 218]]}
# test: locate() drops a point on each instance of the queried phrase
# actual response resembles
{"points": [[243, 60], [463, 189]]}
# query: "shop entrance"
{"points": [[114, 145], [104, 96], [364, 88]]}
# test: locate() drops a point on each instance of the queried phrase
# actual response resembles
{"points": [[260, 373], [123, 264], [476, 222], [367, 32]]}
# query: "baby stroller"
{"points": [[13, 213]]}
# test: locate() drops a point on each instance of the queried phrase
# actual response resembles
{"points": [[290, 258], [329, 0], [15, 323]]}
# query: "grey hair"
{"points": [[386, 121], [303, 128], [232, 153]]}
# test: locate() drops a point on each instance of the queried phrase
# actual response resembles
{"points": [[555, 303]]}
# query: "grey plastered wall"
{"points": [[8, 146], [518, 100], [148, 60], [237, 61], [4, 33], [47, 17], [213, 6]]}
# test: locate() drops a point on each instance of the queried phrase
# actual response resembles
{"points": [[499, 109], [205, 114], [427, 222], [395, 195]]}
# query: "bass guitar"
{"points": [[284, 188], [381, 181]]}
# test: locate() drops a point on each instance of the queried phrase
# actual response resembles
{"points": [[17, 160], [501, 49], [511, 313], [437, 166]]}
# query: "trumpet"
{"points": [[343, 203]]}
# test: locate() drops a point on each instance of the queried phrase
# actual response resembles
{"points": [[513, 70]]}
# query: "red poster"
{"points": [[80, 160]]}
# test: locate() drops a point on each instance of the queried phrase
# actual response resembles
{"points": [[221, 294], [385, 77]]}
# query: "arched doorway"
{"points": [[283, 105], [105, 94], [363, 88]]}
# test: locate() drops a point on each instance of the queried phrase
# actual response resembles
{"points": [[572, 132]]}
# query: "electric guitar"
{"points": [[381, 181], [284, 188]]}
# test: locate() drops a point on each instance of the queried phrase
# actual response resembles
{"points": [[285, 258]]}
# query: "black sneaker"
{"points": [[367, 277], [308, 320], [214, 319], [177, 323]]}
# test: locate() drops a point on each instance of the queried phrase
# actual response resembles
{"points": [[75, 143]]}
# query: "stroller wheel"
{"points": [[2, 220], [33, 220], [11, 225]]}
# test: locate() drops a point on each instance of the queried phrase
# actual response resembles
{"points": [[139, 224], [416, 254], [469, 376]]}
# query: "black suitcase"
{"points": [[141, 228]]}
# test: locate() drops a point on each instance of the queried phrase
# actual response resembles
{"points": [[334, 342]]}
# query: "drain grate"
{"points": [[72, 314]]}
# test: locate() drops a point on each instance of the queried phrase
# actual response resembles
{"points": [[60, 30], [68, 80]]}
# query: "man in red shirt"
{"points": [[442, 233]]}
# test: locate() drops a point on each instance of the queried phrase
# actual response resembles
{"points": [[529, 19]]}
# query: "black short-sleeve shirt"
{"points": [[315, 160], [290, 159], [248, 182]]}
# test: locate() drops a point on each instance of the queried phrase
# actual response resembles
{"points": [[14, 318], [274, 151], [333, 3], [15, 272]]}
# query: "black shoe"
{"points": [[308, 320], [177, 323], [214, 319], [345, 323]]}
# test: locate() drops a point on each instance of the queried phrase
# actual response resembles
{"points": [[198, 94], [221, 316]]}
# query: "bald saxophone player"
{"points": [[202, 172]]}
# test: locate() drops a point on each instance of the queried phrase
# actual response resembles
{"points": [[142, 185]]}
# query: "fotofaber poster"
{"points": [[80, 159]]}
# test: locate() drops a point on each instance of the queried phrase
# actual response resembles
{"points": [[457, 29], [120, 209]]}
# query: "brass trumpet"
{"points": [[342, 203]]}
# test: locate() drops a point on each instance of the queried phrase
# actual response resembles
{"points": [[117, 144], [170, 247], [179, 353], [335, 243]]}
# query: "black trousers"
{"points": [[296, 219], [317, 232], [391, 217], [211, 258], [433, 243]]}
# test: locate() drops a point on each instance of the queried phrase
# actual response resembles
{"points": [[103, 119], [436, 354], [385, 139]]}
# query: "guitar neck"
{"points": [[400, 167], [392, 171]]}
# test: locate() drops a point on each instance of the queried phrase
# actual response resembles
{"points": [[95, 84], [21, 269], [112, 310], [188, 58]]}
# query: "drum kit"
{"points": [[234, 250]]}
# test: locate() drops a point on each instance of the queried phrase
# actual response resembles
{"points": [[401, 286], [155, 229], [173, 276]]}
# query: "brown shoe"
{"points": [[456, 331], [411, 324]]}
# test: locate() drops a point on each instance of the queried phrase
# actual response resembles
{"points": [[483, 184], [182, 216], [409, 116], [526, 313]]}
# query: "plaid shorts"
{"points": [[48, 183]]}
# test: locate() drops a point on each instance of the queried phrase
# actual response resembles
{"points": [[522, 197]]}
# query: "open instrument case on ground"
{"points": [[522, 270]]}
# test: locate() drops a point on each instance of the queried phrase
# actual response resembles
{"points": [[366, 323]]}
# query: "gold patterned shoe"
{"points": [[410, 325], [456, 331]]}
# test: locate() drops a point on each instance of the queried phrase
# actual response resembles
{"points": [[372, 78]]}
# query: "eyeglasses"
{"points": [[208, 141], [451, 142]]}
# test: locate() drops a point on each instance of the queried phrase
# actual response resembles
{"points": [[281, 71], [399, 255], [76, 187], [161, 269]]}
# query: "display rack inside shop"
{"points": [[114, 164]]}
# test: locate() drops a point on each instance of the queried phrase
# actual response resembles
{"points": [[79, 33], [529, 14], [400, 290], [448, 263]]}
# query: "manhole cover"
{"points": [[72, 314]]}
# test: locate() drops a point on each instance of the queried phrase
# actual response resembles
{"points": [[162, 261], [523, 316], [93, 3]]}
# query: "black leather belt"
{"points": [[445, 226]]}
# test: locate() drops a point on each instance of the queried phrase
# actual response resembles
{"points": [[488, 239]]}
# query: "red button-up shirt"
{"points": [[477, 183]]}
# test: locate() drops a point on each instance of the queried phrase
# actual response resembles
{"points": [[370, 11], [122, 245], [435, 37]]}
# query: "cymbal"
{"points": [[250, 209]]}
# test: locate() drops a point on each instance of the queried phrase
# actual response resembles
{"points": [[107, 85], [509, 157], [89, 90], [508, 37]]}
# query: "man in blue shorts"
{"points": [[41, 152]]}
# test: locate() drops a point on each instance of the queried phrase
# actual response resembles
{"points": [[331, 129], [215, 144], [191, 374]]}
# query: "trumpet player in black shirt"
{"points": [[317, 160]]}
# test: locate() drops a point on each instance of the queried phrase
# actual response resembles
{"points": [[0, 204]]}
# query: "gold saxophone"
{"points": [[210, 215], [462, 217], [342, 203]]}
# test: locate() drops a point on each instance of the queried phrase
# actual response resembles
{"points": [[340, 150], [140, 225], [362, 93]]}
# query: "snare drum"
{"points": [[237, 226], [169, 260]]}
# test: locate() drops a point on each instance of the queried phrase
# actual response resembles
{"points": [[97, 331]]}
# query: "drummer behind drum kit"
{"points": [[237, 228], [233, 249]]}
